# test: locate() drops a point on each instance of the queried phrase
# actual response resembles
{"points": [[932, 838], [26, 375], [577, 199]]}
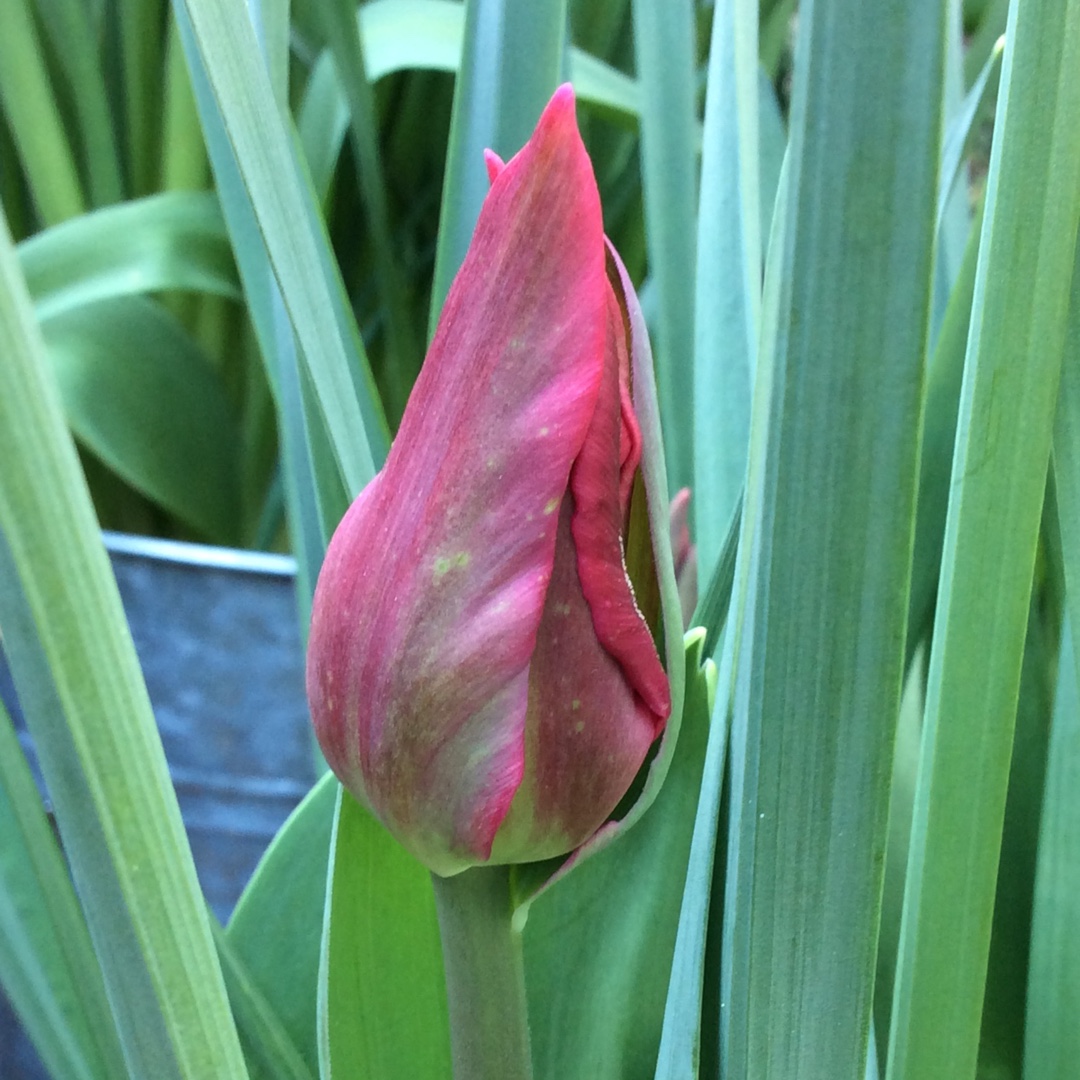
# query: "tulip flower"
{"points": [[479, 672]]}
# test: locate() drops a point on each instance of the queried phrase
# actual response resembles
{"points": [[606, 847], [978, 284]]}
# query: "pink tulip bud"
{"points": [[478, 670]]}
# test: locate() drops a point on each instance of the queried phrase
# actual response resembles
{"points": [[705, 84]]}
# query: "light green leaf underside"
{"points": [[382, 993], [276, 927], [163, 242]]}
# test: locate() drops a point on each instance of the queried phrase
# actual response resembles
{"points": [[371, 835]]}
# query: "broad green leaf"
{"points": [[173, 241], [664, 50], [290, 228], [89, 714], [33, 116], [599, 943], [141, 395], [277, 925], [729, 262], [819, 668], [1006, 415], [382, 994], [512, 59], [47, 963]]}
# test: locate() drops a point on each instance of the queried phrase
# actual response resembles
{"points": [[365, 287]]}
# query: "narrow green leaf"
{"points": [[512, 59], [819, 670], [1052, 1043], [403, 344], [265, 1039], [141, 32], [664, 48], [163, 242], [184, 166], [288, 223], [34, 118], [729, 262], [382, 994], [93, 728], [142, 396], [47, 963], [1052, 1040], [277, 925], [1002, 448], [70, 29]]}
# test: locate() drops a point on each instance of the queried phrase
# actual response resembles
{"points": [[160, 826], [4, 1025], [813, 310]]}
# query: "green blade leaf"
{"points": [[93, 728], [34, 118], [818, 673], [1002, 448], [276, 928], [1052, 1041], [511, 61], [728, 296], [289, 226], [664, 48], [380, 920], [47, 962]]}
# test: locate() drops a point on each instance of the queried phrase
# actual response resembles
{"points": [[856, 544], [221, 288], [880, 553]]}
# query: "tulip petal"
{"points": [[449, 553], [598, 519], [588, 731]]}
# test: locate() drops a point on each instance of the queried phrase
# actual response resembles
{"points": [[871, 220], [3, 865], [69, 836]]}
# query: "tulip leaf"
{"points": [[142, 396], [32, 112], [1014, 356], [512, 59], [89, 714], [270, 1052], [382, 993], [664, 51], [1052, 1045], [1052, 1038], [290, 227], [315, 494], [728, 276], [276, 928], [829, 505], [172, 241], [599, 942], [47, 962]]}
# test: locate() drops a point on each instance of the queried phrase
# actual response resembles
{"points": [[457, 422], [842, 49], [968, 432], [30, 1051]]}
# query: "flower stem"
{"points": [[485, 976]]}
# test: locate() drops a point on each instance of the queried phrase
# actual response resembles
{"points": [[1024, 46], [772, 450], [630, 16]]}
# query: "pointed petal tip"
{"points": [[494, 163]]}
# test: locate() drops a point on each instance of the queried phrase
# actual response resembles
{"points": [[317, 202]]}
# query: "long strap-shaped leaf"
{"points": [[511, 61], [664, 49], [267, 163], [818, 682], [728, 277], [89, 713], [1006, 417], [47, 963]]}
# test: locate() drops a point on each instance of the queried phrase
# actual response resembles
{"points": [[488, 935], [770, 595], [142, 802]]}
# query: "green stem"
{"points": [[485, 976]]}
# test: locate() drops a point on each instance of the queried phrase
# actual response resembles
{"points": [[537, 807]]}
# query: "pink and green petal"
{"points": [[439, 572]]}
